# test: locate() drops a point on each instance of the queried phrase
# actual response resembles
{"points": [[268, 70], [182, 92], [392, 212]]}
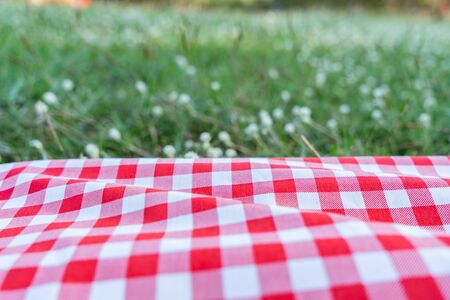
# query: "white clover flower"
{"points": [[381, 91], [184, 99], [214, 152], [332, 124], [169, 151], [141, 87], [206, 145], [189, 144], [191, 154], [304, 112], [50, 98], [429, 102], [215, 86], [225, 138], [278, 113], [251, 130], [40, 108], [296, 110], [289, 128], [285, 95], [157, 111], [92, 150], [264, 131], [67, 85], [191, 70], [344, 109], [321, 78], [377, 114], [379, 102], [37, 144], [425, 120], [273, 73], [364, 89], [266, 120], [114, 134], [230, 153], [181, 61], [205, 137], [173, 96]]}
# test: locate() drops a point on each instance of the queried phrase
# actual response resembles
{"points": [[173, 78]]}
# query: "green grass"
{"points": [[324, 59]]}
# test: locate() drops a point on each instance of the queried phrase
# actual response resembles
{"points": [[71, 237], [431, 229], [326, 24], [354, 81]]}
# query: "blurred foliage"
{"points": [[291, 3], [350, 83]]}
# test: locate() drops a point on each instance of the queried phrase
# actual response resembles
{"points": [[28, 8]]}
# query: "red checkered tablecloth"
{"points": [[307, 228]]}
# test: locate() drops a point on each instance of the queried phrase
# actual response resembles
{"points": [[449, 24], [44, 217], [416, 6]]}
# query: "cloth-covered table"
{"points": [[305, 228]]}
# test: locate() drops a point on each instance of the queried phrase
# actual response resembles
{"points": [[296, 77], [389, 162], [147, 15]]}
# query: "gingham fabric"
{"points": [[342, 228]]}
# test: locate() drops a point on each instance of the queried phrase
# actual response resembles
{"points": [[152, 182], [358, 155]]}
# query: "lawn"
{"points": [[135, 81]]}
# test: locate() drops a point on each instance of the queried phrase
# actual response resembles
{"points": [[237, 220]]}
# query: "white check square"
{"points": [[144, 182], [133, 203], [43, 291], [352, 200], [182, 182], [240, 282], [75, 232], [15, 202], [174, 286], [294, 235], [262, 175], [39, 163], [108, 289], [180, 223], [308, 274], [74, 163], [437, 260], [441, 196], [231, 214], [408, 170], [397, 198], [110, 162], [93, 186], [353, 229], [169, 245], [116, 249], [89, 213], [375, 267], [58, 257], [302, 173], [24, 239], [173, 197], [235, 240], [55, 194], [266, 199], [7, 261], [370, 168], [308, 200], [221, 178], [42, 219], [127, 229], [23, 178]]}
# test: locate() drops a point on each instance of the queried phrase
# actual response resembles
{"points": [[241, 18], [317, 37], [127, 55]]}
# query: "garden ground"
{"points": [[126, 81]]}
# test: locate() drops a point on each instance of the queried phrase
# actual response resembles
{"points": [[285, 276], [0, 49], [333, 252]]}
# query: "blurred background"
{"points": [[278, 4], [438, 7], [223, 78]]}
